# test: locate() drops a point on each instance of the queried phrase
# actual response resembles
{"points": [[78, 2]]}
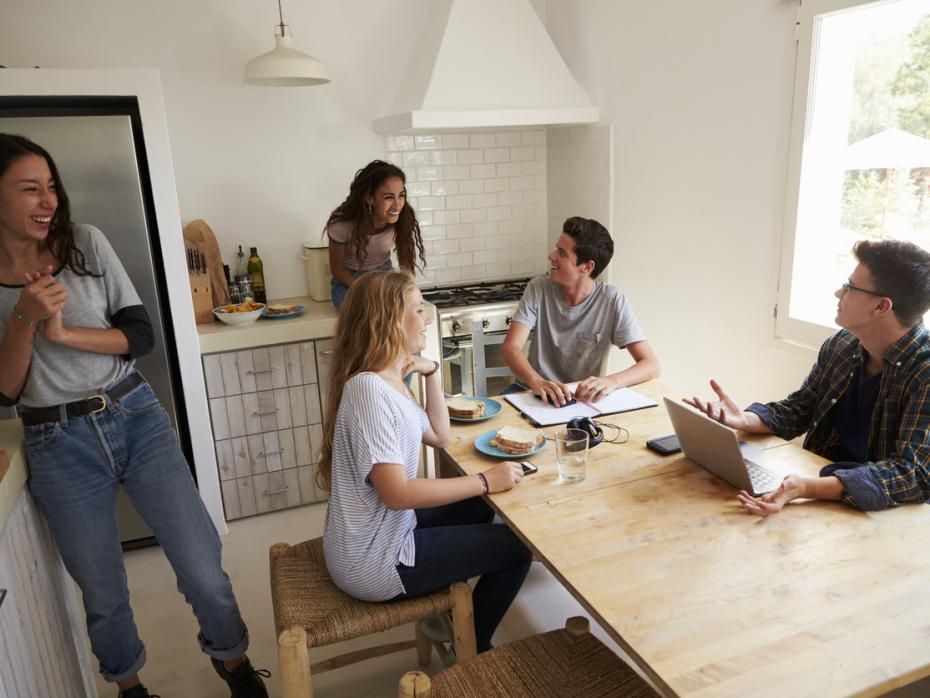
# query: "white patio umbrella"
{"points": [[892, 149]]}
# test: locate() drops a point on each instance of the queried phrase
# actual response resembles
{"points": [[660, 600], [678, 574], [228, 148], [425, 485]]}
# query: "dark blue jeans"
{"points": [[458, 541]]}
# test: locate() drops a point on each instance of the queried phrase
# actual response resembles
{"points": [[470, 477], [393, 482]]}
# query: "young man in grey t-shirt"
{"points": [[574, 321]]}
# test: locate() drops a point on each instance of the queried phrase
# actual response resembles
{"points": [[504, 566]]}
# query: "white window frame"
{"points": [[787, 328]]}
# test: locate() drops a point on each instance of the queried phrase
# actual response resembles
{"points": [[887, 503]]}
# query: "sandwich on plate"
{"points": [[463, 408], [518, 440]]}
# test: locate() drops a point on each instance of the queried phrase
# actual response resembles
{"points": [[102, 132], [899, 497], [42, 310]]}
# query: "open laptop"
{"points": [[715, 447]]}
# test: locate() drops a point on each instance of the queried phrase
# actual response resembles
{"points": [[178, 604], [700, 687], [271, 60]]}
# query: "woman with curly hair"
{"points": [[389, 534], [366, 227]]}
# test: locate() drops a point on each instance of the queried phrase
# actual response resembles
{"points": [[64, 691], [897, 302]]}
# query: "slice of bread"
{"points": [[518, 440], [280, 308], [464, 408]]}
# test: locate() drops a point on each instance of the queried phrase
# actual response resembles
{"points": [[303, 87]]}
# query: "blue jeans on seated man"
{"points": [[339, 289], [455, 542], [76, 468]]}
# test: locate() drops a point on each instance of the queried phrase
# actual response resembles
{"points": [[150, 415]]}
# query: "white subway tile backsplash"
{"points": [[459, 259], [448, 276], [431, 203], [523, 182], [473, 244], [509, 227], [524, 211], [500, 213], [436, 261], [458, 202], [454, 140], [426, 142], [415, 189], [443, 157], [445, 246], [497, 184], [498, 270], [486, 200], [474, 215], [446, 217], [444, 188], [507, 198], [534, 167], [429, 174], [399, 143], [433, 232], [471, 186], [523, 153], [481, 140], [507, 138], [497, 154], [456, 171], [395, 159], [469, 157], [482, 171], [425, 217], [416, 157], [536, 137], [461, 230], [476, 272], [486, 256], [534, 196], [542, 152], [508, 169], [486, 228]]}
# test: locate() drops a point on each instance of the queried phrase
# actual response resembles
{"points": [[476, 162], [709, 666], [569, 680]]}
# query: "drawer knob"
{"points": [[267, 412]]}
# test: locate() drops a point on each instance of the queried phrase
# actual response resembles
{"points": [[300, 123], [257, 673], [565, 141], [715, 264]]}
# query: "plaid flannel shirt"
{"points": [[898, 469]]}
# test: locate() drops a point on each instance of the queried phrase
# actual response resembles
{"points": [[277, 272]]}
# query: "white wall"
{"points": [[699, 97], [261, 165]]}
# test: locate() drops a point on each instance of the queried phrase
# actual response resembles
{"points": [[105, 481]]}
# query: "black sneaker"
{"points": [[245, 681], [137, 691]]}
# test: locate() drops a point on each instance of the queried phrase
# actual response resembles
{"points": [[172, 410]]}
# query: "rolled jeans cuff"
{"points": [[133, 669], [225, 654]]}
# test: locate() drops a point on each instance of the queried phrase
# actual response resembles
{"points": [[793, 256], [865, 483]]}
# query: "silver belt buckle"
{"points": [[103, 403]]}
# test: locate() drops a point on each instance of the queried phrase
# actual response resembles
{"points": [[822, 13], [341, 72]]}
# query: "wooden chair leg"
{"points": [[413, 684], [424, 645], [577, 626], [463, 622], [294, 664]]}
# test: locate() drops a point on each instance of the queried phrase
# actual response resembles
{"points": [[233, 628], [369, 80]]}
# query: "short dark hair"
{"points": [[901, 271], [592, 242]]}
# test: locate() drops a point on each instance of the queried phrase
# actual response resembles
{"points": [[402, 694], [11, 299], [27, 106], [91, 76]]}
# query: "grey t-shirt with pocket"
{"points": [[60, 374], [572, 343]]}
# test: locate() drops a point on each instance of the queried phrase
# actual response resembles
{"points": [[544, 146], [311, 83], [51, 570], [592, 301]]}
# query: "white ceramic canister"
{"points": [[316, 259]]}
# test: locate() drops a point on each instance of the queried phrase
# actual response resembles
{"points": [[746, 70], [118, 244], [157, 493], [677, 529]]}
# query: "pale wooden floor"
{"points": [[176, 668]]}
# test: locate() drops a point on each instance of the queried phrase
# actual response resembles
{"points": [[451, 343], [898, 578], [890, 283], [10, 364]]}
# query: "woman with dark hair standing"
{"points": [[71, 326], [372, 221]]}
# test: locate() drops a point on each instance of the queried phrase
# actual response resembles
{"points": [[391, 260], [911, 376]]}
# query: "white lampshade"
{"points": [[285, 66]]}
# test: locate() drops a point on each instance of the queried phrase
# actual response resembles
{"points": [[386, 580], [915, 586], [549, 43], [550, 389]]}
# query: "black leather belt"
{"points": [[95, 403]]}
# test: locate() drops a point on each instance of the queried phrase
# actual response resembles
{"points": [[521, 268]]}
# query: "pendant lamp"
{"points": [[285, 66]]}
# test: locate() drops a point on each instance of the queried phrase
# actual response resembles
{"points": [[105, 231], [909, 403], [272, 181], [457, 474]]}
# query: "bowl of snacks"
{"points": [[244, 313]]}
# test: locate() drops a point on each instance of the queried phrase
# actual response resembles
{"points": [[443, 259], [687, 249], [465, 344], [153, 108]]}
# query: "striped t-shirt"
{"points": [[363, 539]]}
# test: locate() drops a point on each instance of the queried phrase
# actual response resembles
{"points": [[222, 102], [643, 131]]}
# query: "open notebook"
{"points": [[620, 400]]}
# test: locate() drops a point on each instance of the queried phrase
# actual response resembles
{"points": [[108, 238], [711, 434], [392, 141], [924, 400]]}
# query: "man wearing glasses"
{"points": [[866, 403]]}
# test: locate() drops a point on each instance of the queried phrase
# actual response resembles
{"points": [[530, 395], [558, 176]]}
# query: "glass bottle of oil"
{"points": [[257, 274]]}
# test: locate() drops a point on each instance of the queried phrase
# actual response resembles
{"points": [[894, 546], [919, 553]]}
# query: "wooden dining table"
{"points": [[819, 600]]}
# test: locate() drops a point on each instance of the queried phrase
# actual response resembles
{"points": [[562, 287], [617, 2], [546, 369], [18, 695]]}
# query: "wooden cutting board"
{"points": [[199, 232]]}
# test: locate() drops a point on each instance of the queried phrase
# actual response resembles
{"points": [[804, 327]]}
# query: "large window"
{"points": [[860, 160]]}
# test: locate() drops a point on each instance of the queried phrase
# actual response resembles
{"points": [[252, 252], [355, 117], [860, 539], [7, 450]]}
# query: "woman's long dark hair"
{"points": [[355, 210], [60, 238]]}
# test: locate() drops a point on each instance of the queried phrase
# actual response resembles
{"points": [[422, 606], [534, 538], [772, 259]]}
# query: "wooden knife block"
{"points": [[201, 289]]}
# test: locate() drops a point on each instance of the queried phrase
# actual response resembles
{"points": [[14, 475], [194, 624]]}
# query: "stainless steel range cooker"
{"points": [[473, 322]]}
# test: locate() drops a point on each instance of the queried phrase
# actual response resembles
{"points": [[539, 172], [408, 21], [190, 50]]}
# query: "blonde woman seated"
{"points": [[389, 535]]}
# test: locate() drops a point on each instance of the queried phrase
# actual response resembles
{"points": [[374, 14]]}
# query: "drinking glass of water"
{"points": [[571, 447]]}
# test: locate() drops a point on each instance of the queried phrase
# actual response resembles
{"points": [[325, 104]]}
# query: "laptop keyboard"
{"points": [[763, 480]]}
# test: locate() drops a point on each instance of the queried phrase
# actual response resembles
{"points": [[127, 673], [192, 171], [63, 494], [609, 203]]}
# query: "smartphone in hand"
{"points": [[571, 401], [528, 468]]}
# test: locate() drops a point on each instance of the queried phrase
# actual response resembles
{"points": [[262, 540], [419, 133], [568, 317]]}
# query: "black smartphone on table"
{"points": [[528, 468], [666, 445], [567, 402]]}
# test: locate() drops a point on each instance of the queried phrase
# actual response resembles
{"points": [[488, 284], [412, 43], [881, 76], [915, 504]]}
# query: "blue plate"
{"points": [[491, 408], [483, 444], [281, 316]]}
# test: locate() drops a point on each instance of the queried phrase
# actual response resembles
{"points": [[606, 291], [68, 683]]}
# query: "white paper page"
{"points": [[620, 400]]}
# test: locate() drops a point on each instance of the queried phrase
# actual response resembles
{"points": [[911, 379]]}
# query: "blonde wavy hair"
{"points": [[369, 337]]}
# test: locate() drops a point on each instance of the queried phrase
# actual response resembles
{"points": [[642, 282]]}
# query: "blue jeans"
{"points": [[339, 289], [76, 468], [458, 541]]}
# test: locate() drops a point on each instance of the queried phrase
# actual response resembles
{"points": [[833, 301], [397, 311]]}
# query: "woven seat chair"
{"points": [[310, 611], [565, 663]]}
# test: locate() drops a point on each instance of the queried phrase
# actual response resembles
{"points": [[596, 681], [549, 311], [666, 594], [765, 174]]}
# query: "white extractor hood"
{"points": [[485, 63]]}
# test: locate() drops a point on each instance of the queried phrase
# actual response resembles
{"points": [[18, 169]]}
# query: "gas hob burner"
{"points": [[478, 293]]}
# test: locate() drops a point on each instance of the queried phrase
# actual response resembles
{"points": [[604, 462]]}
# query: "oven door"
{"points": [[474, 365]]}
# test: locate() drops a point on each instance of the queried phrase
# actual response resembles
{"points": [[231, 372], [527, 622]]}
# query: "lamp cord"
{"points": [[281, 17]]}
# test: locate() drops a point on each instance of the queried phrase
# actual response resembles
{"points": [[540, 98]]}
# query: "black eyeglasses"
{"points": [[847, 287]]}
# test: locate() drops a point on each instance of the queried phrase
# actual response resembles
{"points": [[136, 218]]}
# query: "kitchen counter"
{"points": [[317, 322], [11, 482]]}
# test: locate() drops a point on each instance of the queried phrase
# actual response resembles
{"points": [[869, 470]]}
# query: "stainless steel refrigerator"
{"points": [[97, 144]]}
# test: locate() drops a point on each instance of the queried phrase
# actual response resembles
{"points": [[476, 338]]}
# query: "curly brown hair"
{"points": [[355, 210], [60, 238]]}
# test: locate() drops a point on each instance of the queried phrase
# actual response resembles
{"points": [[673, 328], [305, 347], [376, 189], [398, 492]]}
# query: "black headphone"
{"points": [[589, 426]]}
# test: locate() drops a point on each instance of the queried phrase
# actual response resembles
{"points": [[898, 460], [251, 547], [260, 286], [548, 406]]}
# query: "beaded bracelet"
{"points": [[22, 318], [484, 483], [429, 373]]}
